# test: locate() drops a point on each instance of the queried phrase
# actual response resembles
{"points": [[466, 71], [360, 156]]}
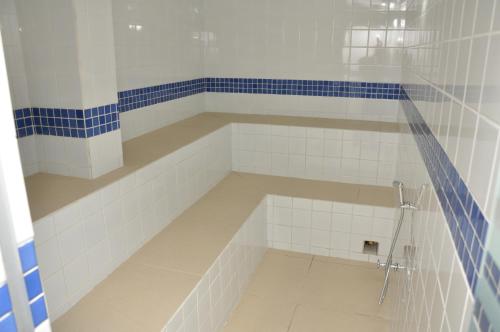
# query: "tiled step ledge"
{"points": [[169, 275], [81, 243], [48, 193], [148, 293]]}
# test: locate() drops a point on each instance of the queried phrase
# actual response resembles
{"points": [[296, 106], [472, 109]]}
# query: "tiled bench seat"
{"points": [[48, 193], [144, 292], [86, 229]]}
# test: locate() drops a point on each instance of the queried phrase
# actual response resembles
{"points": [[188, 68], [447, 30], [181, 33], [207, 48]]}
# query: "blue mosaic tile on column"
{"points": [[33, 285], [76, 123], [24, 122], [7, 318]]}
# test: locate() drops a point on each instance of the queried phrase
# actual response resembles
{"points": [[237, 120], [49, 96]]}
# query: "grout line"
{"points": [[293, 316]]}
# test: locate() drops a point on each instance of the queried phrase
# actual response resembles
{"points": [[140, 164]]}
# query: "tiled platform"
{"points": [[174, 261], [48, 193], [297, 292]]}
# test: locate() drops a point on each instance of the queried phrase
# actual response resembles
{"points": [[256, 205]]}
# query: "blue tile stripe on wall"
{"points": [[348, 89], [7, 319], [33, 283], [465, 220], [491, 273], [99, 120], [136, 98], [24, 122], [76, 123]]}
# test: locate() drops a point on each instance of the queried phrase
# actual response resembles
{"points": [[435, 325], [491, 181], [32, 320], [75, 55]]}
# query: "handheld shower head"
{"points": [[399, 186]]}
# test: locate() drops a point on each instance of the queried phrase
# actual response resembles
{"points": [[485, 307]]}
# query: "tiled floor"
{"points": [[305, 293]]}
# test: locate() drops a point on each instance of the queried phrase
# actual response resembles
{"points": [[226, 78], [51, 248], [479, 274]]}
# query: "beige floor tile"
{"points": [[146, 296], [256, 314], [328, 294], [280, 276], [344, 287], [311, 318], [93, 315]]}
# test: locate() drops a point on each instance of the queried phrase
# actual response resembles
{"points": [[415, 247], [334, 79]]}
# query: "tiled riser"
{"points": [[83, 158], [324, 107], [352, 156], [82, 243], [211, 302], [332, 228]]}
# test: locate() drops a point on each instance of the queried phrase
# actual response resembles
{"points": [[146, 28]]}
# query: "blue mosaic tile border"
{"points": [[75, 123], [371, 90], [481, 317], [33, 283], [491, 273], [465, 220], [91, 122], [142, 97], [137, 98], [24, 122]]}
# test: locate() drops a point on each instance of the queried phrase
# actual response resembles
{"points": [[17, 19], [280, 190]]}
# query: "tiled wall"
{"points": [[56, 75], [450, 73], [14, 54], [18, 257], [156, 43], [303, 40], [436, 296], [332, 228], [82, 243], [352, 156], [217, 293]]}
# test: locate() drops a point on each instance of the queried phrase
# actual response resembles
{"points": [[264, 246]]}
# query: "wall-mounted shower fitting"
{"points": [[388, 265]]}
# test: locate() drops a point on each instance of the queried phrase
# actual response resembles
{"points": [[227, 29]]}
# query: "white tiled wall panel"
{"points": [[28, 150], [143, 120], [82, 243], [452, 46], [94, 31], [157, 42], [211, 302], [436, 295], [461, 58], [84, 158], [306, 40], [105, 153], [322, 39], [9, 23], [352, 156], [332, 228]]}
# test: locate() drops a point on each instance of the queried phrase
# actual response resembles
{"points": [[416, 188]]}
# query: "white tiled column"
{"points": [[70, 64]]}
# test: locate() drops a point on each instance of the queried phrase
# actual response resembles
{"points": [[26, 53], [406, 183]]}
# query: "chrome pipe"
{"points": [[388, 264]]}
